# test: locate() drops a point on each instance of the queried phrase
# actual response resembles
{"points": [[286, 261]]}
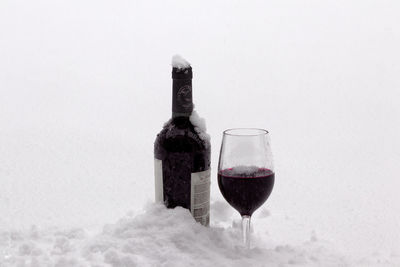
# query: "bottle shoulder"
{"points": [[180, 134]]}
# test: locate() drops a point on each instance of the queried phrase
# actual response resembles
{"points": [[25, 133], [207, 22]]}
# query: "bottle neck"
{"points": [[182, 102]]}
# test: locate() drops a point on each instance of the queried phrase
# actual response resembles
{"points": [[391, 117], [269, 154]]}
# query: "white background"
{"points": [[85, 87]]}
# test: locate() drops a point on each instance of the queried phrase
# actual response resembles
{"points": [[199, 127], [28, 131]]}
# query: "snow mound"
{"points": [[179, 62], [200, 126], [157, 237]]}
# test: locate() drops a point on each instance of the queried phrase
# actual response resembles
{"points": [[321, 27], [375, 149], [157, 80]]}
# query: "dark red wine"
{"points": [[182, 156], [246, 188]]}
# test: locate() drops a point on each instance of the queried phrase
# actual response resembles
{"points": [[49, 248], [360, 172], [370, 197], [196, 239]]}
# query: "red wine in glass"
{"points": [[246, 188]]}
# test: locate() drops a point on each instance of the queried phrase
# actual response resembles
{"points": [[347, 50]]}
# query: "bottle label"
{"points": [[200, 197], [158, 182], [182, 102], [199, 192]]}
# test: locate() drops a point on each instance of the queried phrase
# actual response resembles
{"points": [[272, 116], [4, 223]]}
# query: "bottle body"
{"points": [[182, 168]]}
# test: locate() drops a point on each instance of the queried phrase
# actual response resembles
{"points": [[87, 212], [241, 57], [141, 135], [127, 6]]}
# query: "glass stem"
{"points": [[246, 230]]}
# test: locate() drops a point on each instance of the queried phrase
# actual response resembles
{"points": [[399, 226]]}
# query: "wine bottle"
{"points": [[182, 151]]}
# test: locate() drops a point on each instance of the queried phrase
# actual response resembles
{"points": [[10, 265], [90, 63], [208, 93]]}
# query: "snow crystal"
{"points": [[199, 126], [158, 236], [179, 62], [245, 171]]}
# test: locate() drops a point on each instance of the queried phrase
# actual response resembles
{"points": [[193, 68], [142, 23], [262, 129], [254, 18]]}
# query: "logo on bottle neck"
{"points": [[182, 104], [184, 97]]}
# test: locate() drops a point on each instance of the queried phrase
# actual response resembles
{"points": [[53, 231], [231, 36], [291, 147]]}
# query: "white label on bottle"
{"points": [[200, 196], [158, 182]]}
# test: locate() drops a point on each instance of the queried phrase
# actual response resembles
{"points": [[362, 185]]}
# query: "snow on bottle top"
{"points": [[181, 68], [179, 62]]}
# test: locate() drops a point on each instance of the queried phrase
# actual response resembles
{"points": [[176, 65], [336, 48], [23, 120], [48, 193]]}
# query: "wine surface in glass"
{"points": [[246, 188]]}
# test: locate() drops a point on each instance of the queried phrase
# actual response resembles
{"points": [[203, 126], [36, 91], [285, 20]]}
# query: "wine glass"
{"points": [[245, 172]]}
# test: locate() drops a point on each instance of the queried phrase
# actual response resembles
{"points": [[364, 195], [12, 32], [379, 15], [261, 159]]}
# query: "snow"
{"points": [[250, 171], [199, 126], [158, 237], [179, 62]]}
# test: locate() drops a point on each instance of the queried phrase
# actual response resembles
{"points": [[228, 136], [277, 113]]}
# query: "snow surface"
{"points": [[158, 237], [179, 62], [161, 237]]}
